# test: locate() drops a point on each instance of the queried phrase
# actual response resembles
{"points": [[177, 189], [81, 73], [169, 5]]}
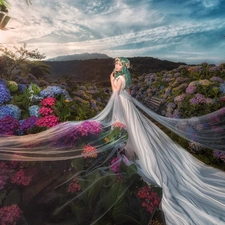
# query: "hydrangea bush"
{"points": [[186, 91]]}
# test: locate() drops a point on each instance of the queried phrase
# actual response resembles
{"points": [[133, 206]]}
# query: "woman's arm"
{"points": [[118, 85]]}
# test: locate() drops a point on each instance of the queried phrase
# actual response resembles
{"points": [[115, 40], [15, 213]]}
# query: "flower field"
{"points": [[26, 188]]}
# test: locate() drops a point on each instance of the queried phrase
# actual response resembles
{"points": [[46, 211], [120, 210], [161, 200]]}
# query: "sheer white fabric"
{"points": [[193, 193]]}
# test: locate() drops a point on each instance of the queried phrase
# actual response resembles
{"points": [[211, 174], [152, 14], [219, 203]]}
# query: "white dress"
{"points": [[193, 193]]}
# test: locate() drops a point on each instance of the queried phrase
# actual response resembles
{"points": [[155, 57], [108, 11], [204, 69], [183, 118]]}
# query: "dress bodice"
{"points": [[123, 81], [123, 91]]}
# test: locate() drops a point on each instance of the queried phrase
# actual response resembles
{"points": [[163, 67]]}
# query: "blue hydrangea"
{"points": [[3, 82], [21, 88], [51, 91], [67, 96], [34, 110], [5, 94], [222, 88], [54, 91], [10, 110]]}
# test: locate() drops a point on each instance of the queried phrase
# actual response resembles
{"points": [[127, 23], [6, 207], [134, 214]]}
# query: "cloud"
{"points": [[159, 28]]}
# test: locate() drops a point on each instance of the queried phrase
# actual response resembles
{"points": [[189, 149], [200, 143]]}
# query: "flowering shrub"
{"points": [[89, 152], [53, 91], [5, 94], [150, 198], [34, 110], [10, 215], [119, 125], [115, 165], [21, 88], [197, 99], [21, 178], [9, 125], [88, 127], [10, 110], [191, 89], [28, 123], [45, 111], [74, 186], [48, 102], [219, 155], [48, 121]]}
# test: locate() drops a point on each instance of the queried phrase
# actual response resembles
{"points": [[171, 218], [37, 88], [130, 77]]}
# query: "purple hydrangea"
{"points": [[5, 94], [10, 110], [179, 98], [176, 114], [28, 123], [219, 155], [88, 127], [214, 69], [218, 79], [191, 89], [197, 99], [171, 105], [9, 125]]}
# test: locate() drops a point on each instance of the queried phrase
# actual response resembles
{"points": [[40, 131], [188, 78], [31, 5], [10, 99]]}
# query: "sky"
{"points": [[190, 31]]}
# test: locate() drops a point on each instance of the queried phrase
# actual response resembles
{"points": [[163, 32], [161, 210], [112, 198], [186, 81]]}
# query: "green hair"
{"points": [[126, 65]]}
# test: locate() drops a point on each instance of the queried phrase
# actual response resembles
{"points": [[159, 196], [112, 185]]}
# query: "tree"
{"points": [[18, 62]]}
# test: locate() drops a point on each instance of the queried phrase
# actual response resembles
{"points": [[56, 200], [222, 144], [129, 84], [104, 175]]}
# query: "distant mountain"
{"points": [[98, 70], [83, 56]]}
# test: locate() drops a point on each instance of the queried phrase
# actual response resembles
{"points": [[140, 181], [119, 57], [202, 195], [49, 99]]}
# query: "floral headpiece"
{"points": [[124, 61]]}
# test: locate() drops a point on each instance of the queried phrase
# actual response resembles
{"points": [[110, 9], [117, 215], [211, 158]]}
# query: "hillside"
{"points": [[83, 56], [98, 70]]}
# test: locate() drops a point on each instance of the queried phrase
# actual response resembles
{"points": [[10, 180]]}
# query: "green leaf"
{"points": [[123, 218], [12, 198], [2, 195], [78, 164], [116, 192]]}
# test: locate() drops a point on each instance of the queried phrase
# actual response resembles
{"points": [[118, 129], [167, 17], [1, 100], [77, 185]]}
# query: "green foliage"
{"points": [[17, 61], [12, 198], [39, 69]]}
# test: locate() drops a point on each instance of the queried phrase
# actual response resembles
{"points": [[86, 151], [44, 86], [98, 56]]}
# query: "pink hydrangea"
{"points": [[150, 198], [10, 215], [88, 127], [45, 111], [74, 186], [191, 89], [119, 125], [48, 102], [115, 165], [48, 121], [21, 178]]}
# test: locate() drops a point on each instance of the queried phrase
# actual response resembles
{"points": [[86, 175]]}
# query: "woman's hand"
{"points": [[112, 76]]}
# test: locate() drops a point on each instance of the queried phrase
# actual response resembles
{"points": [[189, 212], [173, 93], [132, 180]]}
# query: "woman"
{"points": [[193, 193]]}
